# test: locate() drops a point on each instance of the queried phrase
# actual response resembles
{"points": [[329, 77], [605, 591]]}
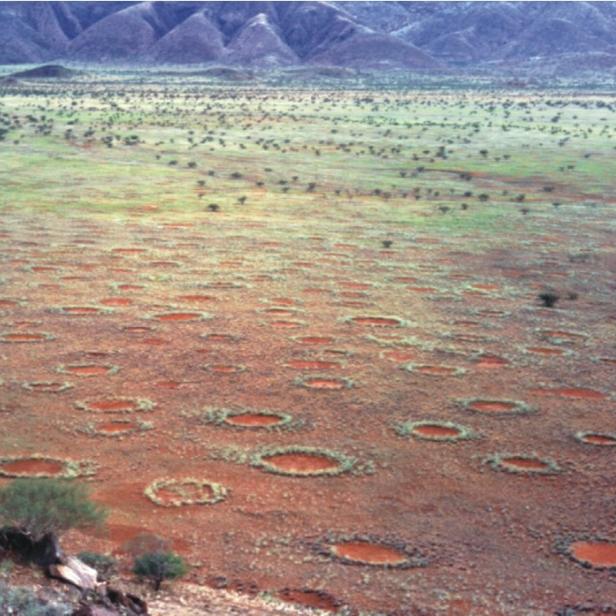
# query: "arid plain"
{"points": [[350, 348]]}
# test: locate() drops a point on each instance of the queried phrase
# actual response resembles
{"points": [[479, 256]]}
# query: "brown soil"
{"points": [[603, 440], [112, 427], [33, 467], [323, 383], [526, 464], [301, 462], [594, 553], [314, 340], [436, 431], [87, 370], [492, 535], [178, 316], [310, 598], [492, 406], [22, 337], [255, 420], [369, 553]]}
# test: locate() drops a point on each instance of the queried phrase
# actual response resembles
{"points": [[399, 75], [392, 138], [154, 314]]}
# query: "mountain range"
{"points": [[566, 36]]}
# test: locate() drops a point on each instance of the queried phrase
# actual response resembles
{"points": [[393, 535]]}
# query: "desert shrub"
{"points": [[39, 507], [548, 298], [24, 602], [160, 566], [103, 563]]}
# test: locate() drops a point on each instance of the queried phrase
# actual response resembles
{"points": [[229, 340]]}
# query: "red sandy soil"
{"points": [[490, 539]]}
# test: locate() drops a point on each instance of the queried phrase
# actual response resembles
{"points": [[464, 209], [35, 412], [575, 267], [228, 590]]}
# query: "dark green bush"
{"points": [[39, 507], [160, 566]]}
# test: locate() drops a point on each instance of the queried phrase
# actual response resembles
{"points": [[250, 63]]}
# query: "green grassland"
{"points": [[459, 161]]}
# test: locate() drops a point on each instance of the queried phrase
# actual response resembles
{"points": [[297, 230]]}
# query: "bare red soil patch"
{"points": [[115, 405], [434, 370], [398, 355], [33, 467], [116, 301], [366, 553], [301, 463], [8, 303], [597, 438], [324, 383], [595, 554], [225, 368], [254, 420], [87, 369], [496, 407], [528, 464], [179, 316], [81, 310], [50, 387], [24, 337], [314, 340], [310, 598], [282, 324], [491, 362], [115, 427], [546, 351], [436, 431]]}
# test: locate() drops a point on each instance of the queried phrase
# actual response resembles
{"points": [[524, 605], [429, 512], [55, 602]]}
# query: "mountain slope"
{"points": [[408, 35]]}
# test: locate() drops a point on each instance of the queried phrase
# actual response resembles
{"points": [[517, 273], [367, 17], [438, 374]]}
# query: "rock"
{"points": [[94, 610], [75, 572], [134, 604]]}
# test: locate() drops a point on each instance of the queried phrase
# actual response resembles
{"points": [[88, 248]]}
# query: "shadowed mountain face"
{"points": [[413, 35]]}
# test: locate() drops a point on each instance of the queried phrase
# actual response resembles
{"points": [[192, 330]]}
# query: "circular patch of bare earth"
{"points": [[592, 553], [247, 419], [255, 419], [117, 428], [598, 439], [187, 491], [83, 311], [315, 599], [496, 407], [24, 337], [180, 316], [561, 337], [115, 405], [525, 464], [314, 340], [324, 383], [47, 387], [434, 370], [225, 369], [372, 552], [302, 461], [375, 321], [489, 362], [435, 430], [37, 465], [88, 370]]}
